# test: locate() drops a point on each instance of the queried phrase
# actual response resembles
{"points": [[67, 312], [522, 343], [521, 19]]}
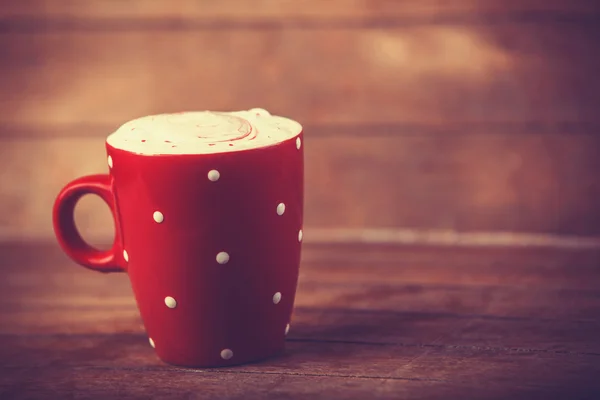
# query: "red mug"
{"points": [[208, 211]]}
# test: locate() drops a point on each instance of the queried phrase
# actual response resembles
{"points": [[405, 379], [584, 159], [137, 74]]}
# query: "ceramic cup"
{"points": [[208, 212]]}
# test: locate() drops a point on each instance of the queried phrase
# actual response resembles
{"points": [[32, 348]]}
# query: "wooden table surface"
{"points": [[370, 322]]}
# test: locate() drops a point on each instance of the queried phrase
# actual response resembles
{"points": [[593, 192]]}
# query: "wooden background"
{"points": [[420, 116]]}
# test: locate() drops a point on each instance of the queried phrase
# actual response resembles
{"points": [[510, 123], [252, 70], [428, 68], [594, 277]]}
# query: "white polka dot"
{"points": [[213, 175], [151, 342], [170, 302], [287, 329], [277, 298], [280, 209], [226, 354], [300, 235], [158, 216], [298, 143], [110, 164], [222, 258], [125, 255]]}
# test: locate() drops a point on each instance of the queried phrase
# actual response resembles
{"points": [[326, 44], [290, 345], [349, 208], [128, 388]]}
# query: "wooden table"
{"points": [[370, 322]]}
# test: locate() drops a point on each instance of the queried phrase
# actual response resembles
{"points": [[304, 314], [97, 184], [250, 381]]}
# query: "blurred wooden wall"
{"points": [[458, 115]]}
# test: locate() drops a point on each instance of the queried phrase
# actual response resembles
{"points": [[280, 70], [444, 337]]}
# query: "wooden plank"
{"points": [[484, 267], [445, 301], [206, 9], [107, 366], [350, 336], [402, 328], [438, 75], [175, 384], [461, 182], [447, 331], [466, 298], [521, 183], [165, 382], [345, 263], [518, 300]]}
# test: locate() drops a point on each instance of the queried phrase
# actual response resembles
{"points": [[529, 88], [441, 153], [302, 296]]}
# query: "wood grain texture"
{"points": [[109, 365], [464, 116], [522, 293], [521, 183], [423, 74], [412, 321]]}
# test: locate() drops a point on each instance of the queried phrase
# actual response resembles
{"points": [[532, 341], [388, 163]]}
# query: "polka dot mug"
{"points": [[208, 211]]}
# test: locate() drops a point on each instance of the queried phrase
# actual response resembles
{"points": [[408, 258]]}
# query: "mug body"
{"points": [[211, 244]]}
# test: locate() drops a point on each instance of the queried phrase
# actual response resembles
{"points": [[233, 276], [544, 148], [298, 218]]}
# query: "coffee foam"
{"points": [[203, 132]]}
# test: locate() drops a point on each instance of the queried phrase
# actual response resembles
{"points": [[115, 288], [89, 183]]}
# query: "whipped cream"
{"points": [[203, 132]]}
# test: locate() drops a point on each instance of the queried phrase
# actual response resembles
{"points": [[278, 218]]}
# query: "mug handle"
{"points": [[68, 236]]}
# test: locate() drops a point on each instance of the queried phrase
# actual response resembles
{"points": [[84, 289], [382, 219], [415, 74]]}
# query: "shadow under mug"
{"points": [[211, 244]]}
